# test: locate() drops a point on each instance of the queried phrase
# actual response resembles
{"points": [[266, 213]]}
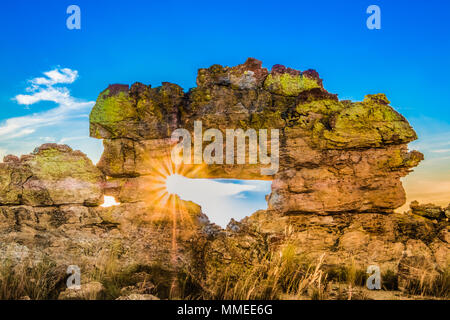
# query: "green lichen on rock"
{"points": [[313, 115], [60, 175], [109, 111], [324, 107], [371, 123], [59, 162], [12, 177], [198, 97], [216, 74], [401, 159], [112, 108], [138, 112], [52, 175], [266, 119], [9, 194], [288, 84]]}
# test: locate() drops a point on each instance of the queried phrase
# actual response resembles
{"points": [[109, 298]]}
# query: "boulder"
{"points": [[51, 175], [430, 211], [88, 291]]}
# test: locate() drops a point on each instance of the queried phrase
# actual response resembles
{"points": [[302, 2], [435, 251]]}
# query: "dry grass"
{"points": [[276, 276], [37, 281], [115, 277], [437, 285], [282, 274]]}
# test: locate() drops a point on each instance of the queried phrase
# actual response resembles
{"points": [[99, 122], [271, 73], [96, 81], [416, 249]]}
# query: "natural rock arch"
{"points": [[335, 156]]}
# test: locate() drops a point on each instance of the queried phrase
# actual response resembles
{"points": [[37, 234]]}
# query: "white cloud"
{"points": [[221, 200], [47, 139], [69, 109], [43, 88], [57, 95], [441, 150], [21, 133], [192, 188], [56, 76], [69, 139], [67, 121]]}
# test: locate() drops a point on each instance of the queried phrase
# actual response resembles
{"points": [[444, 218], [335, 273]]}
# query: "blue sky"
{"points": [[154, 41]]}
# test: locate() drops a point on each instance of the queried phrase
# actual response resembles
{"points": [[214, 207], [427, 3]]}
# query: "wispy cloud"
{"points": [[65, 122], [222, 200], [56, 76], [441, 150], [205, 188], [43, 88]]}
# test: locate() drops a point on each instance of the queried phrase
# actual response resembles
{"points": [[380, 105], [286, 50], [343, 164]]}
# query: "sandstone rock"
{"points": [[12, 178], [335, 193], [409, 226], [441, 253], [249, 75], [139, 113], [354, 240], [444, 234], [335, 156], [88, 291], [144, 287], [52, 175], [152, 233], [129, 158], [288, 82], [427, 210], [348, 241], [18, 253]]}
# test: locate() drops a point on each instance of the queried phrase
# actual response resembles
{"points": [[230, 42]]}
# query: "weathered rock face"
{"points": [[48, 205], [430, 211], [49, 210], [408, 245], [53, 175], [335, 156]]}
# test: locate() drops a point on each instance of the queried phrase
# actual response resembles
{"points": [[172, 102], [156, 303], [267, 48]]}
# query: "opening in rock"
{"points": [[221, 199], [109, 202]]}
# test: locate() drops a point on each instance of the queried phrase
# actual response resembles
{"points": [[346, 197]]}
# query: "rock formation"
{"points": [[335, 156], [50, 208], [49, 205], [335, 192]]}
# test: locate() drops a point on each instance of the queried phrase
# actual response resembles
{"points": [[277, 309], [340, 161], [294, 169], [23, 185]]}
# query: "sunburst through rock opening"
{"points": [[109, 201], [221, 199]]}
